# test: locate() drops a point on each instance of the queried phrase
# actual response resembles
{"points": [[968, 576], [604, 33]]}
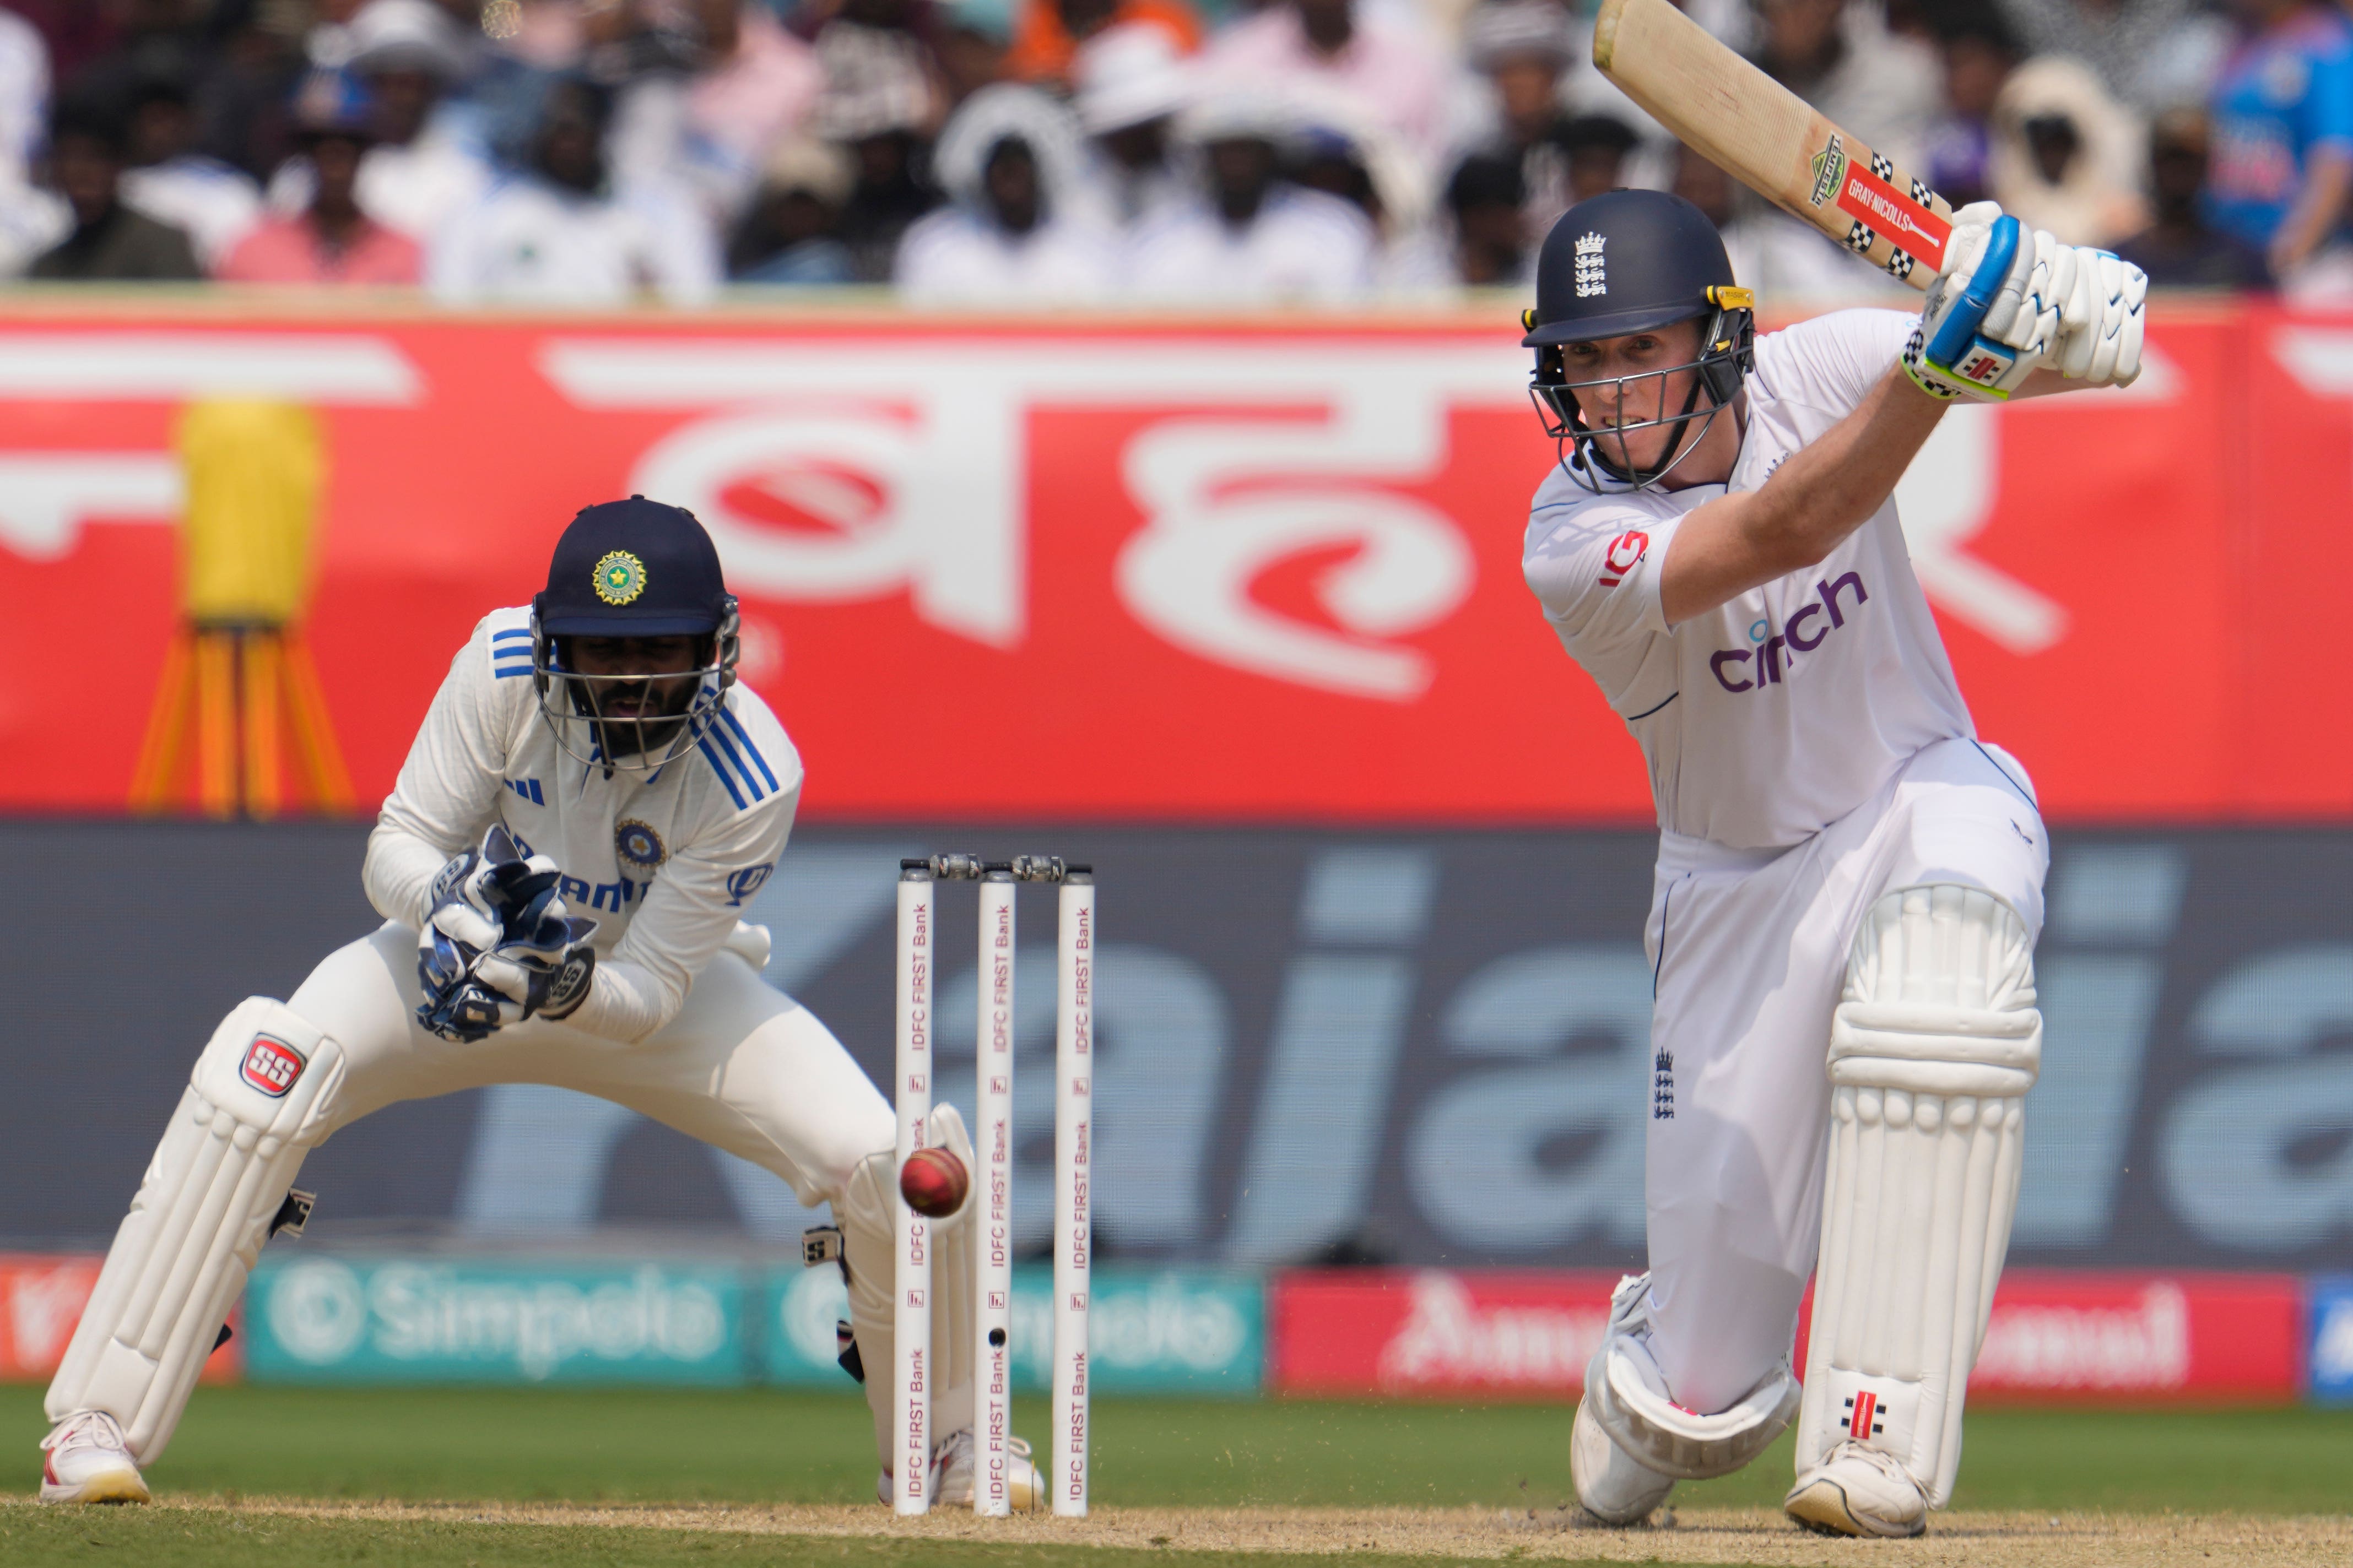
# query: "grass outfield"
{"points": [[747, 1446], [629, 1450]]}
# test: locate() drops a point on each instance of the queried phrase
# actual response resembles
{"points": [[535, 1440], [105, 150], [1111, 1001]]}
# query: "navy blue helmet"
{"points": [[1627, 262], [632, 568]]}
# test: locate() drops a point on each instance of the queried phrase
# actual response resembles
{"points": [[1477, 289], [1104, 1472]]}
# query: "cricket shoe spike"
{"points": [[1612, 1485], [1859, 1491], [88, 1461], [952, 1473]]}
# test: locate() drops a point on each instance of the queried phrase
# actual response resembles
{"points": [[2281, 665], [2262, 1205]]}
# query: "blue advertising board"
{"points": [[2331, 1358], [357, 1320], [1157, 1330]]}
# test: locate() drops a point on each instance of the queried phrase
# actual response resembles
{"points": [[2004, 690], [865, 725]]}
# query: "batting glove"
{"points": [[2101, 321], [1994, 309]]}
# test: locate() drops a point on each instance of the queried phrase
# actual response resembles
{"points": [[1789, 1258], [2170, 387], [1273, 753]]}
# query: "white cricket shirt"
{"points": [[1769, 717], [664, 863]]}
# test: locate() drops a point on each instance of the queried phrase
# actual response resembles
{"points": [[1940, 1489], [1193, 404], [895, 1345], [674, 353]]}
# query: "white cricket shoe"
{"points": [[952, 1472], [89, 1462], [1612, 1485], [1859, 1491]]}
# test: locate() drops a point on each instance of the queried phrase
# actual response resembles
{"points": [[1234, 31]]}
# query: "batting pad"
{"points": [[261, 1096], [870, 1245], [1932, 1051]]}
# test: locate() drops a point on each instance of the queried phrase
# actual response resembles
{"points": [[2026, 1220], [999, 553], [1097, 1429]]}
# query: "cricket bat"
{"points": [[1770, 139]]}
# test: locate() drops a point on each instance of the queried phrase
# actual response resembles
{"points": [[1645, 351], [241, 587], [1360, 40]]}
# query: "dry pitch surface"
{"points": [[286, 1478], [1981, 1539]]}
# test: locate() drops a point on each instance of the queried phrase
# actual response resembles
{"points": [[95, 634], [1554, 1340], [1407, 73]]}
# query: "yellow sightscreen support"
{"points": [[254, 473]]}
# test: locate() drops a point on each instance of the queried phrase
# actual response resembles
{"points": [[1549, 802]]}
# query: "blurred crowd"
{"points": [[1027, 153]]}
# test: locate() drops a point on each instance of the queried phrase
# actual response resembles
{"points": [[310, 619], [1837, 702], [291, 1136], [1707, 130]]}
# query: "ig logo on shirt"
{"points": [[1625, 553]]}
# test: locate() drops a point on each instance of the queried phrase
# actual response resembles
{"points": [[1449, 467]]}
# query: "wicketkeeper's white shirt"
{"points": [[1769, 717], [665, 863]]}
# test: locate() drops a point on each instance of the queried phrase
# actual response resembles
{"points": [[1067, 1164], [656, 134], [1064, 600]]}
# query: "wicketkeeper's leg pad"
{"points": [[1629, 1397], [867, 1214], [1933, 1048], [263, 1093]]}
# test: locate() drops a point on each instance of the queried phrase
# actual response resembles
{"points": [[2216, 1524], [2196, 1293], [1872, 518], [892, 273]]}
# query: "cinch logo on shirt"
{"points": [[1625, 553], [1762, 667]]}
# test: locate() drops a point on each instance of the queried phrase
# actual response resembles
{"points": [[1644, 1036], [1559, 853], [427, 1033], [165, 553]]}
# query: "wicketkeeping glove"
{"points": [[497, 946], [1994, 309]]}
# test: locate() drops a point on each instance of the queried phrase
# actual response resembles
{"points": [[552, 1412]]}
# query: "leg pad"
{"points": [[1933, 1048], [262, 1094], [1629, 1399], [870, 1248]]}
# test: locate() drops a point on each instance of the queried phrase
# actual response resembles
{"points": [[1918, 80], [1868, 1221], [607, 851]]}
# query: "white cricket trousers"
{"points": [[1749, 948], [743, 1067]]}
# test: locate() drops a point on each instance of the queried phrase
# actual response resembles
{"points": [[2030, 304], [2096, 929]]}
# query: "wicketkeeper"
{"points": [[1850, 882], [563, 869]]}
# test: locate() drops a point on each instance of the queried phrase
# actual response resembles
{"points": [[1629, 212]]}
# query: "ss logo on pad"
{"points": [[271, 1065]]}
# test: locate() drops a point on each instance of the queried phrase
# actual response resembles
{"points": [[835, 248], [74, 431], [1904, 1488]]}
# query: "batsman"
{"points": [[1850, 881], [563, 869]]}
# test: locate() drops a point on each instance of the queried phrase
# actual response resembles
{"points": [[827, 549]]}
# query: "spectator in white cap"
{"points": [[1009, 159], [426, 165], [787, 236], [880, 104], [1131, 82], [1250, 238], [1397, 74], [1545, 105], [559, 232]]}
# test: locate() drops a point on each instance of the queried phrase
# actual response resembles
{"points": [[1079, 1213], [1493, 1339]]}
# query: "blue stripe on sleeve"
{"points": [[750, 750], [749, 781], [717, 767]]}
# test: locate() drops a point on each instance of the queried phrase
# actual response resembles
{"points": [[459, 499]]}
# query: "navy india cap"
{"points": [[633, 568]]}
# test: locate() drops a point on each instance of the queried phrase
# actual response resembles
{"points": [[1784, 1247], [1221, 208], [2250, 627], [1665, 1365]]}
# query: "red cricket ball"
{"points": [[934, 1182]]}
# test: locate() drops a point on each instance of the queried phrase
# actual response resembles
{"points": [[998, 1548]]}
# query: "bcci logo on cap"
{"points": [[620, 578], [271, 1065]]}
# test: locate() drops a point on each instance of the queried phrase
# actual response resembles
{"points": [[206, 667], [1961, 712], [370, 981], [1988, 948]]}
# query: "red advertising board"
{"points": [[41, 1299], [2055, 1336], [1435, 1333], [2062, 1335], [1204, 572]]}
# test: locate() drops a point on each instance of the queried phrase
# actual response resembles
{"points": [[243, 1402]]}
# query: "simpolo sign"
{"points": [[357, 1320]]}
